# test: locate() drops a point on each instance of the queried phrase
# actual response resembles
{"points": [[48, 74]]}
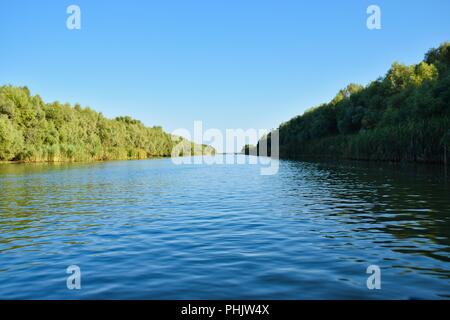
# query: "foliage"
{"points": [[31, 130], [404, 116], [249, 149]]}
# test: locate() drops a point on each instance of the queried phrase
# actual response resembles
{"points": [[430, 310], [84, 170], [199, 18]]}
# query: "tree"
{"points": [[403, 116], [11, 140], [32, 130]]}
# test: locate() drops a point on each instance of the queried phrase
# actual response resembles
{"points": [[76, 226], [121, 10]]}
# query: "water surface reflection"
{"points": [[154, 230]]}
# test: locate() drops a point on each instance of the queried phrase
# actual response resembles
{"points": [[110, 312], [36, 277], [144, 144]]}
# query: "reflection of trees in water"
{"points": [[34, 199], [410, 202]]}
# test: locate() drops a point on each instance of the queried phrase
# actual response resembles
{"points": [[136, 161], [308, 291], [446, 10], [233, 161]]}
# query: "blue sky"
{"points": [[232, 64]]}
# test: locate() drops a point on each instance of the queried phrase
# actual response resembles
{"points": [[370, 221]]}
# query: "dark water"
{"points": [[155, 230]]}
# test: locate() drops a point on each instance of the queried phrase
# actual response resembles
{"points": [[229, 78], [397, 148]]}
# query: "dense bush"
{"points": [[31, 130], [404, 116]]}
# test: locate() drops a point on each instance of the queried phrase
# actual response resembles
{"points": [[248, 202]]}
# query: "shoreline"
{"points": [[64, 162], [314, 159], [96, 161]]}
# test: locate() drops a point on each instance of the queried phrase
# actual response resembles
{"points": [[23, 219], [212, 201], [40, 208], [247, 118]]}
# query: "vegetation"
{"points": [[31, 130], [404, 116], [249, 149]]}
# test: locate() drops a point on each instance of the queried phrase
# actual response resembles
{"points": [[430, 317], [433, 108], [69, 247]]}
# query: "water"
{"points": [[155, 230]]}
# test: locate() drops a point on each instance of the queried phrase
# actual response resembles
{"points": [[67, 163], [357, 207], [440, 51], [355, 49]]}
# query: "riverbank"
{"points": [[32, 130], [89, 161], [401, 117]]}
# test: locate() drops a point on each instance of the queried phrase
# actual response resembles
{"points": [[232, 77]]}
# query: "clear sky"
{"points": [[230, 63]]}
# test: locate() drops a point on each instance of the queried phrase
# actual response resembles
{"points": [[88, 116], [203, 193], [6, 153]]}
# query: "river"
{"points": [[151, 229]]}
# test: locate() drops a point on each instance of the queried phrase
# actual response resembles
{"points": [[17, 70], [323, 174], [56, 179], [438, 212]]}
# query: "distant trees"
{"points": [[404, 116], [31, 130], [249, 149]]}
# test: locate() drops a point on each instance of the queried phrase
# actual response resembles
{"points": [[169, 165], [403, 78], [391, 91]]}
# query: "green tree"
{"points": [[11, 140]]}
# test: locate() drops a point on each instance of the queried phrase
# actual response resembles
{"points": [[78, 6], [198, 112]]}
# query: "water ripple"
{"points": [[154, 230]]}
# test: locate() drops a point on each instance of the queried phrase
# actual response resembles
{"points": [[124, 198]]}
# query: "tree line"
{"points": [[34, 131], [403, 116]]}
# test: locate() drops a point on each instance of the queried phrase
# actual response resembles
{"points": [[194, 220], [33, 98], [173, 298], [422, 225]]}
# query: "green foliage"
{"points": [[11, 139], [404, 116], [249, 149], [31, 130]]}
